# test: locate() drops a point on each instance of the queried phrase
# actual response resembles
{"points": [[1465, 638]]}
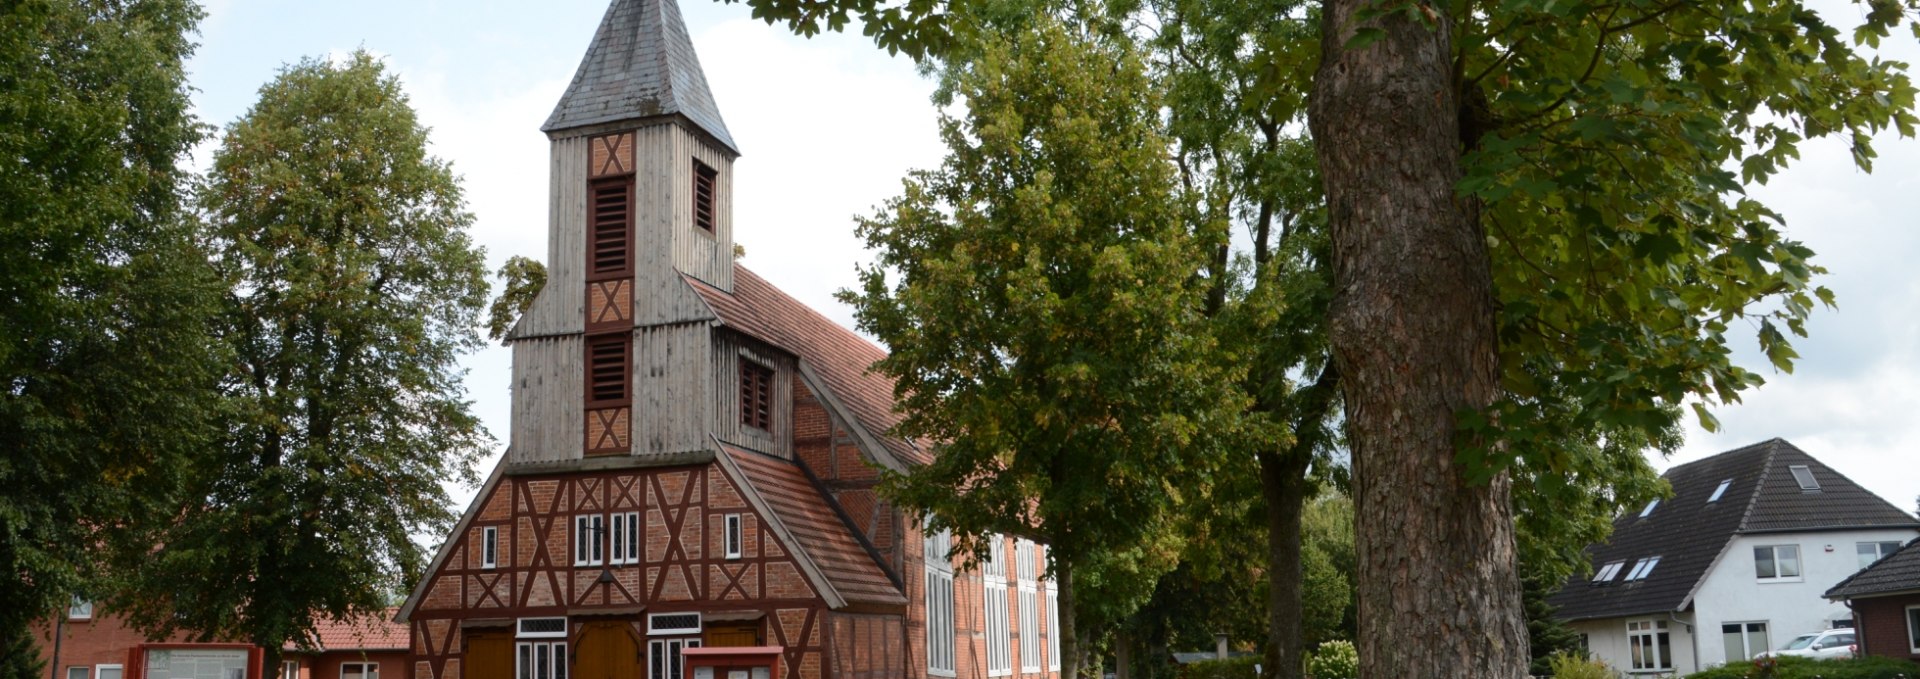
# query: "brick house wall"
{"points": [[105, 639], [1882, 623]]}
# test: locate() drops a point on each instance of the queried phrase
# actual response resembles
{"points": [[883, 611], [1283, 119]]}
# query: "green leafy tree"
{"points": [[520, 280], [1537, 225], [353, 289], [107, 373], [1037, 296]]}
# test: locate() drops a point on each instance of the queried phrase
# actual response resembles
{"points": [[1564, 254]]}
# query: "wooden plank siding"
{"points": [[548, 379], [728, 348], [671, 388], [708, 257]]}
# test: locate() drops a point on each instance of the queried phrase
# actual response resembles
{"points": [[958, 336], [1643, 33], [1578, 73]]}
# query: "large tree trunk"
{"points": [[1283, 481], [1412, 330]]}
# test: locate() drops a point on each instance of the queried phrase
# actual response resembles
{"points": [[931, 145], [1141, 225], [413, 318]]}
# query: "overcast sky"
{"points": [[828, 126]]}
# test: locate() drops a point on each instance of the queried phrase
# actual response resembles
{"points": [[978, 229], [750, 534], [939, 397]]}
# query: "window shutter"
{"points": [[610, 231], [704, 179], [756, 394]]}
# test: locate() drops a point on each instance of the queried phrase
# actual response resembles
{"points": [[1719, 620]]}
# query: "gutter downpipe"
{"points": [[1692, 636]]}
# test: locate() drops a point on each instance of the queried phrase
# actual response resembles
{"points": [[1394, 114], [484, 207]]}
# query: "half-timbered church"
{"points": [[689, 485]]}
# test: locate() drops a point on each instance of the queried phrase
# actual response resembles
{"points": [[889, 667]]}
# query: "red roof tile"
{"points": [[365, 633], [837, 355], [799, 506]]}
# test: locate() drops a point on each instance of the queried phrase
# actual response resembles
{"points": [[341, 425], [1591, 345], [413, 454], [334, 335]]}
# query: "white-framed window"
{"points": [[735, 539], [489, 547], [1804, 476], [371, 670], [939, 567], [541, 660], [1053, 626], [1607, 572], [1777, 563], [589, 540], [107, 671], [1913, 629], [80, 672], [1023, 553], [290, 669], [1874, 551], [1648, 647], [1743, 640], [993, 597], [542, 628], [664, 658], [80, 609], [1722, 490], [673, 623], [1643, 568], [1650, 505], [625, 537]]}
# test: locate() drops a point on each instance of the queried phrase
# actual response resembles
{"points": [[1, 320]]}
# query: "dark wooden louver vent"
{"points": [[607, 370], [704, 179], [610, 237], [756, 395]]}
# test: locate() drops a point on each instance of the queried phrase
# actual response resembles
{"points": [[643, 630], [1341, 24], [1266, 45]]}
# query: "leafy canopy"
{"points": [[1037, 296], [352, 288], [107, 373]]}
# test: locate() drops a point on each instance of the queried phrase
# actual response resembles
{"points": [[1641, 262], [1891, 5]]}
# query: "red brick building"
{"points": [[1885, 598], [694, 453], [99, 645]]}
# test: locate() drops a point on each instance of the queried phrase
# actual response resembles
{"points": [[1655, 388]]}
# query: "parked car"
{"points": [[1833, 643]]}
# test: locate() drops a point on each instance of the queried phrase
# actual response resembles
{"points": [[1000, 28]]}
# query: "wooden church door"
{"points": [[489, 656], [607, 651]]}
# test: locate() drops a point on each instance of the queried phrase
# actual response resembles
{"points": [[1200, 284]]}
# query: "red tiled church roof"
{"points": [[838, 356], [799, 507]]}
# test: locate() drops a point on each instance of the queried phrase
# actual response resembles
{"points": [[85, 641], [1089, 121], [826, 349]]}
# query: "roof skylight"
{"points": [[1805, 477], [1650, 505], [1643, 568], [1722, 490], [1608, 571]]}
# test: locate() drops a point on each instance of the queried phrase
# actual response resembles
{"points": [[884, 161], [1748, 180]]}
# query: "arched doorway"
{"points": [[607, 651]]}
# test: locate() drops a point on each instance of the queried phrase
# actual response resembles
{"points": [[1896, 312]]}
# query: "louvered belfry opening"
{"points": [[756, 395], [610, 261], [704, 179], [610, 243]]}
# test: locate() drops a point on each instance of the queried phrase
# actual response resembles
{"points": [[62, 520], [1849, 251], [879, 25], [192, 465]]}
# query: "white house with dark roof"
{"points": [[1737, 562]]}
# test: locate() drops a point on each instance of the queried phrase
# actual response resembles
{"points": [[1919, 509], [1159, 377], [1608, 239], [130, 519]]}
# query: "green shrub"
{"points": [[1336, 659], [1575, 666], [1231, 668], [1871, 667]]}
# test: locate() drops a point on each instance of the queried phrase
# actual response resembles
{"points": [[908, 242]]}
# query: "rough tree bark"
{"points": [[1412, 331]]}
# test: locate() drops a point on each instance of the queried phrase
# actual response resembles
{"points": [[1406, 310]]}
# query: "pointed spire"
{"points": [[641, 64]]}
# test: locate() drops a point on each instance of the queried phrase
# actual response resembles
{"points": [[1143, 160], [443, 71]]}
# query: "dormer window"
{"points": [[1643, 568], [1722, 490], [1804, 477], [1608, 571], [1650, 505], [704, 180], [756, 394]]}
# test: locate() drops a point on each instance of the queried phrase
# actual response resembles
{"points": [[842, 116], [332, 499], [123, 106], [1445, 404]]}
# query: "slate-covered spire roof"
{"points": [[1688, 532], [641, 65]]}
